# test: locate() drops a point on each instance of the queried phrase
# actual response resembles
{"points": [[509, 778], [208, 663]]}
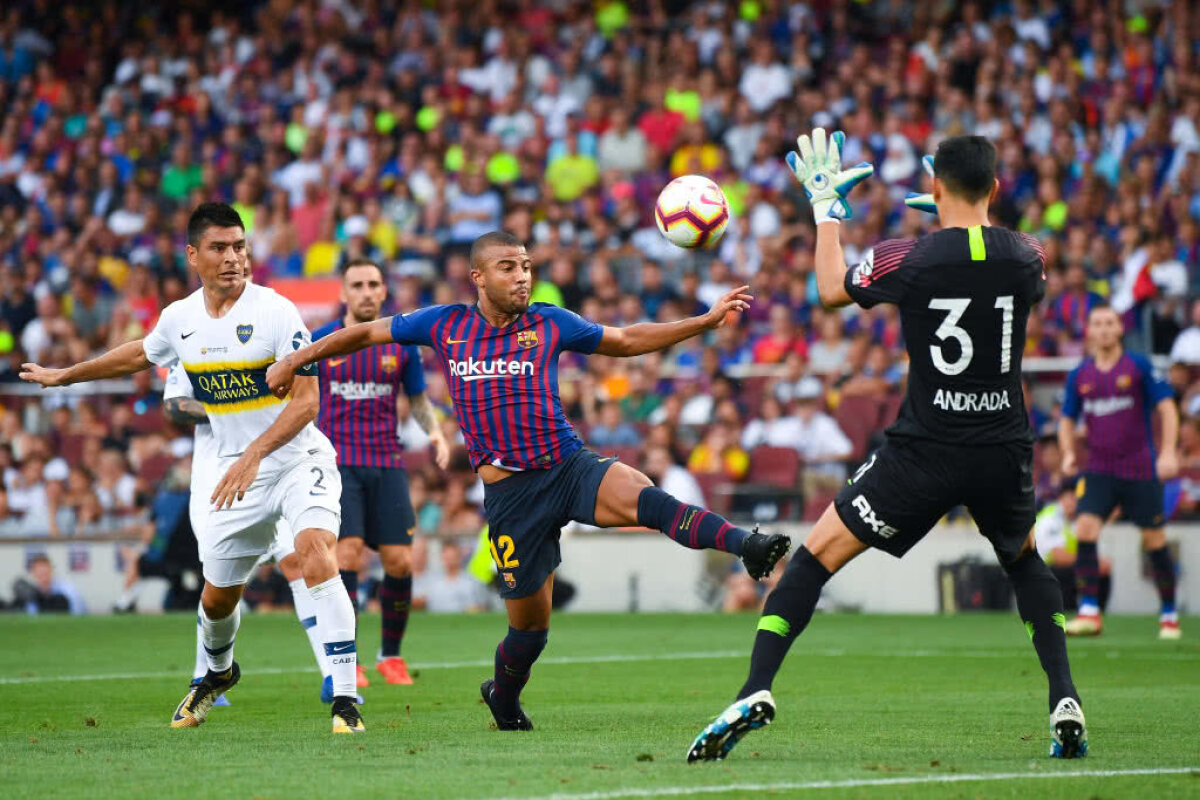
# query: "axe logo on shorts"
{"points": [[867, 514]]}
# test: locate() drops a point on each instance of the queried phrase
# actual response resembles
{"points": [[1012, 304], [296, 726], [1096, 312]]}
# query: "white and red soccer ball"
{"points": [[692, 211]]}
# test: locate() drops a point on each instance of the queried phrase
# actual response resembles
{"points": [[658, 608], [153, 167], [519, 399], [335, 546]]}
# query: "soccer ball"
{"points": [[692, 212]]}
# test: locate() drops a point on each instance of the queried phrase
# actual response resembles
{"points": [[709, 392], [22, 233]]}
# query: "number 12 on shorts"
{"points": [[502, 552]]}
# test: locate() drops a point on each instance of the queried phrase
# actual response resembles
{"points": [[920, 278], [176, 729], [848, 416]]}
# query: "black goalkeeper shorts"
{"points": [[903, 489]]}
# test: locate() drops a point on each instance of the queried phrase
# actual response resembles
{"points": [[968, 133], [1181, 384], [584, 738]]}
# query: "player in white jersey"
{"points": [[271, 459], [184, 410]]}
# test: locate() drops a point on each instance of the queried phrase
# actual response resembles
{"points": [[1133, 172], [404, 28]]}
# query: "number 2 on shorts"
{"points": [[507, 547]]}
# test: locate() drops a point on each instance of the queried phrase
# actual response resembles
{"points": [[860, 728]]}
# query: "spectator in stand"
{"points": [[772, 427], [782, 338], [40, 592], [719, 454], [1186, 349], [660, 467], [823, 445], [612, 430], [452, 591]]}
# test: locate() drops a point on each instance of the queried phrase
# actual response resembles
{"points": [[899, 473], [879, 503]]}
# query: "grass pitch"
{"points": [[869, 706]]}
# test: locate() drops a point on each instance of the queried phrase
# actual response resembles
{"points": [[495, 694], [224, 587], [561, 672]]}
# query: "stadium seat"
{"points": [[417, 460], [778, 467], [717, 491], [858, 417], [815, 506], [626, 454]]}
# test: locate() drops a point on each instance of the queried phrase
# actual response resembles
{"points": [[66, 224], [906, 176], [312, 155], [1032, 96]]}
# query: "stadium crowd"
{"points": [[340, 129]]}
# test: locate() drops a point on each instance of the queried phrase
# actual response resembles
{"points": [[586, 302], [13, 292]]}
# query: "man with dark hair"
{"points": [[274, 462], [359, 395], [962, 436], [500, 357], [1113, 392]]}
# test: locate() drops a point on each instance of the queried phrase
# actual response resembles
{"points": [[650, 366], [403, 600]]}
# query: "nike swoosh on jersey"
{"points": [[457, 341], [185, 335], [333, 362]]}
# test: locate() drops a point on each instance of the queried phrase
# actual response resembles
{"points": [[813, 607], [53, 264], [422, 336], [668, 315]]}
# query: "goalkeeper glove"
{"points": [[818, 167], [923, 202]]}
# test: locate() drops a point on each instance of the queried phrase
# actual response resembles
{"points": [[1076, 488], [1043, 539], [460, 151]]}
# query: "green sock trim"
{"points": [[1029, 630], [1060, 620], [775, 624], [975, 239]]}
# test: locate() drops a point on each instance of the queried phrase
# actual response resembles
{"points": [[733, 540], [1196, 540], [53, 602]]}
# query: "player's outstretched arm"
{"points": [[646, 337], [339, 343], [306, 400], [831, 267], [123, 360]]}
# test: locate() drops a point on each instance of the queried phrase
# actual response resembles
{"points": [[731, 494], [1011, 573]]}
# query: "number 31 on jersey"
{"points": [[955, 307]]}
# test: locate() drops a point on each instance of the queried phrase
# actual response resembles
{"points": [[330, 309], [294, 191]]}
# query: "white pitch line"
{"points": [[617, 659], [677, 791]]}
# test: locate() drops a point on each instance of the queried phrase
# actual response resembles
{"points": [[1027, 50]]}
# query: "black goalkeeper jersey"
{"points": [[964, 296]]}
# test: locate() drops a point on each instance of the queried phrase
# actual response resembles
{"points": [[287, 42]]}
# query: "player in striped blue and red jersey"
{"points": [[1113, 393], [500, 358], [359, 394]]}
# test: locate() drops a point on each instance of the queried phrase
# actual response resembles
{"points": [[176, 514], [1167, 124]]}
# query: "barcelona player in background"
{"points": [[500, 357], [359, 394], [1113, 392]]}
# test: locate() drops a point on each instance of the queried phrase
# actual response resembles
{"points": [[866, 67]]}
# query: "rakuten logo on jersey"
{"points": [[473, 370], [1107, 405], [353, 390]]}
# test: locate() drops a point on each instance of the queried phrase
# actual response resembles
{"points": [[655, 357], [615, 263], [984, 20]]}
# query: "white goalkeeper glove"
{"points": [[923, 202], [818, 167]]}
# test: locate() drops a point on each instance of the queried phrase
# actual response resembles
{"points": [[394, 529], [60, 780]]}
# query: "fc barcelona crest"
{"points": [[1124, 381], [527, 339], [244, 332], [389, 363]]}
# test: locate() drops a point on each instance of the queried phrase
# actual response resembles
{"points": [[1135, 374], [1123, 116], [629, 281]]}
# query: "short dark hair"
{"points": [[211, 215], [491, 239], [362, 261], [966, 165]]}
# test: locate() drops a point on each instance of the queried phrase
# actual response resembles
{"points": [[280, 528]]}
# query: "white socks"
{"points": [[335, 621], [306, 610], [217, 638], [201, 667]]}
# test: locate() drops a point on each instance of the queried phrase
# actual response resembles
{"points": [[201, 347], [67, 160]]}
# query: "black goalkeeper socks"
{"points": [[786, 614], [1039, 601]]}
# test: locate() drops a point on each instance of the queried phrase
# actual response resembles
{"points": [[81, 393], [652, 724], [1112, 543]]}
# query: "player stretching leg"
{"points": [[184, 410], [359, 394], [962, 436], [500, 357], [1113, 392], [273, 461]]}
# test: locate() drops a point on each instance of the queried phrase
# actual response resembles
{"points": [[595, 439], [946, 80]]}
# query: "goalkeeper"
{"points": [[962, 436]]}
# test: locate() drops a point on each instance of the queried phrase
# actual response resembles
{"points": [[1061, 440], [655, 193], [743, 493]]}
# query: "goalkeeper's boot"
{"points": [[327, 692], [1068, 734], [761, 551], [517, 723], [194, 708], [1085, 625], [722, 735], [346, 717]]}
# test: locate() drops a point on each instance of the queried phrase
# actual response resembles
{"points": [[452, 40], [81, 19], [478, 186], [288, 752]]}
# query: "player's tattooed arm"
{"points": [[422, 411], [647, 337], [185, 411]]}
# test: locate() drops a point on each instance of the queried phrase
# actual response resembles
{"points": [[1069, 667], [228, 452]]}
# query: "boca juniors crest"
{"points": [[389, 363], [244, 332], [527, 339]]}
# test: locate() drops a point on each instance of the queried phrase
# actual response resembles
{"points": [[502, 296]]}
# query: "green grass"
{"points": [[862, 698]]}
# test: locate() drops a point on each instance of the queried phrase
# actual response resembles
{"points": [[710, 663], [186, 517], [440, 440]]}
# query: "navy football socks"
{"points": [[514, 660], [693, 527], [395, 597]]}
